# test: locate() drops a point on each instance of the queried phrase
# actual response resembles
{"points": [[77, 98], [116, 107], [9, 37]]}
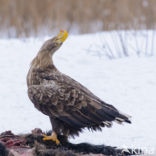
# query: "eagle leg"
{"points": [[53, 137]]}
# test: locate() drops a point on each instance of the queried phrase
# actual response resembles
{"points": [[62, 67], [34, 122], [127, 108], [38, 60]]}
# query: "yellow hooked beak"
{"points": [[61, 37]]}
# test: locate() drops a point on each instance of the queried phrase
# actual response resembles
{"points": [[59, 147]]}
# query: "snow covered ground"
{"points": [[128, 83]]}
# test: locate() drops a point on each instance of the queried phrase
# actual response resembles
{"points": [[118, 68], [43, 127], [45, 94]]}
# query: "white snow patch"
{"points": [[129, 84]]}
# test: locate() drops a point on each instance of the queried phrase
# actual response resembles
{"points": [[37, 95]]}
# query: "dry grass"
{"points": [[36, 17], [121, 44]]}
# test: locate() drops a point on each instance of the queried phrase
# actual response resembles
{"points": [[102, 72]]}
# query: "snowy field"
{"points": [[127, 83]]}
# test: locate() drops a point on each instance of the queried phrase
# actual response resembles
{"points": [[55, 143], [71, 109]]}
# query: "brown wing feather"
{"points": [[72, 103]]}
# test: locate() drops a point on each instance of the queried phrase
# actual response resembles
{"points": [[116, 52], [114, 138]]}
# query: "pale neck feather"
{"points": [[42, 60]]}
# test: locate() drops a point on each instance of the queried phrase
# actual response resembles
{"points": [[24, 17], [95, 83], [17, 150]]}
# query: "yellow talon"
{"points": [[53, 137]]}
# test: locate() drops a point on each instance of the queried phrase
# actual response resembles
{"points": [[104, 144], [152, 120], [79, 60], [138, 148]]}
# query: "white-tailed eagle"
{"points": [[69, 105]]}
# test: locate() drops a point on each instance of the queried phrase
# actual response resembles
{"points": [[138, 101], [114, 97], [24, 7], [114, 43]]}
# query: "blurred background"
{"points": [[25, 18]]}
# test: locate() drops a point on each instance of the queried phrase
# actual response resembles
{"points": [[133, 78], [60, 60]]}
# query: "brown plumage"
{"points": [[69, 105]]}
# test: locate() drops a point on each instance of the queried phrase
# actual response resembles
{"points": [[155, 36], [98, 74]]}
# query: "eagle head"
{"points": [[43, 58], [55, 43]]}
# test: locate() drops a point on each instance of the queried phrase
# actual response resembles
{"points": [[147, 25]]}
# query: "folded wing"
{"points": [[72, 103]]}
